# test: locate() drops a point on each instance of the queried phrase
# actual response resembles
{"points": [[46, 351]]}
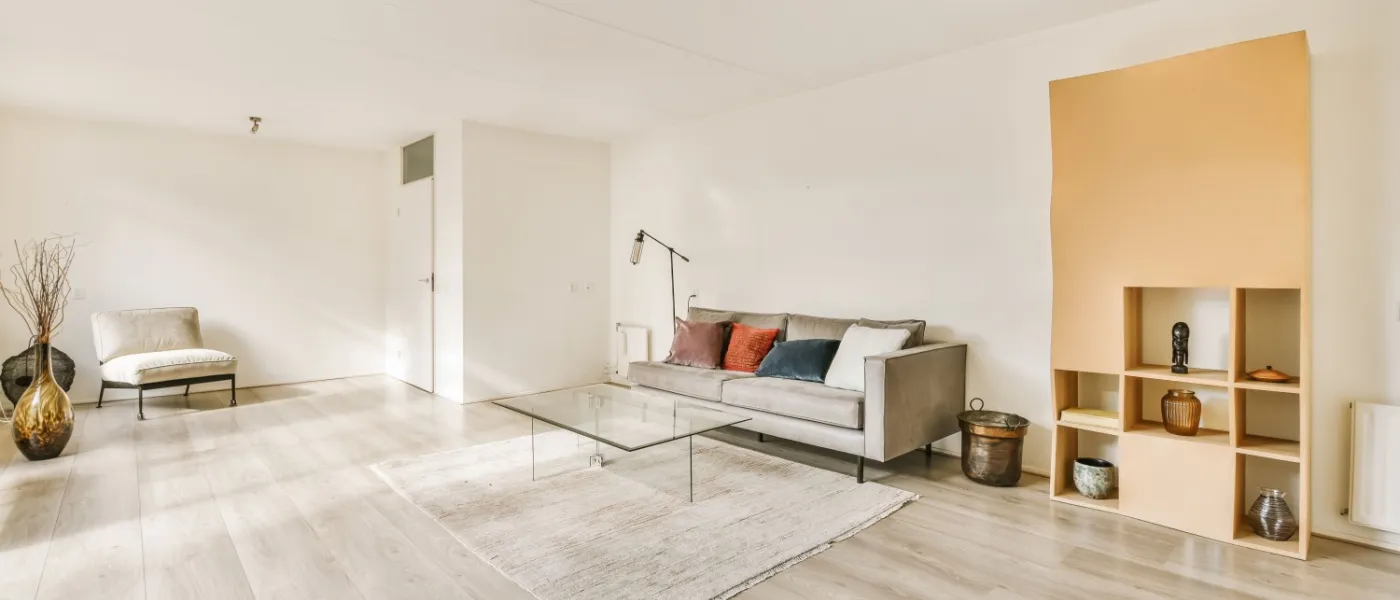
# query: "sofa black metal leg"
{"points": [[140, 404], [101, 392], [928, 449], [233, 391], [860, 469], [187, 390], [760, 438]]}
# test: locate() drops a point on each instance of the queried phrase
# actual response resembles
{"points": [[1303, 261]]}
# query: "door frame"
{"points": [[432, 273]]}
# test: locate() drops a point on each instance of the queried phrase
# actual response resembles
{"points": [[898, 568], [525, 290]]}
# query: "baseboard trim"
{"points": [[1359, 541]]}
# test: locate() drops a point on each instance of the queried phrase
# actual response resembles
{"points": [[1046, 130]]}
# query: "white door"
{"points": [[410, 310]]}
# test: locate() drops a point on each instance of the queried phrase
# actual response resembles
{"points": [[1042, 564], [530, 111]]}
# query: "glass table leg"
{"points": [[667, 467], [555, 451]]}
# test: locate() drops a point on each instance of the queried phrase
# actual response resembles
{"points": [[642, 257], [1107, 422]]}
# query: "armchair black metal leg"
{"points": [[140, 404], [233, 391], [187, 389], [928, 449], [101, 392], [760, 438], [860, 469]]}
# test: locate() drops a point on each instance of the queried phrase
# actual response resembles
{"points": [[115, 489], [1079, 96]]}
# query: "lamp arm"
{"points": [[663, 245]]}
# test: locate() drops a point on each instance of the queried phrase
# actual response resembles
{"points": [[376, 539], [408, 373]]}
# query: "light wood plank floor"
{"points": [[272, 500]]}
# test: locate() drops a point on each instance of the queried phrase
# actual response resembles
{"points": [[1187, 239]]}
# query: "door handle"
{"points": [[425, 280]]}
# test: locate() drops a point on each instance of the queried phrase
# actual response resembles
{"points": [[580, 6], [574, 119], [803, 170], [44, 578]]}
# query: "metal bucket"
{"points": [[992, 444]]}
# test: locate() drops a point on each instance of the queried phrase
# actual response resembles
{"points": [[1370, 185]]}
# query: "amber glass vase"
{"points": [[43, 415], [1181, 412]]}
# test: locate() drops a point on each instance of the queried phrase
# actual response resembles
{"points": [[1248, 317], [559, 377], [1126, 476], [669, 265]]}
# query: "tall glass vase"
{"points": [[43, 415]]}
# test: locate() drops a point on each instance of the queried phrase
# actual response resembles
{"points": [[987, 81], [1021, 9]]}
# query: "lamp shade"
{"points": [[637, 249]]}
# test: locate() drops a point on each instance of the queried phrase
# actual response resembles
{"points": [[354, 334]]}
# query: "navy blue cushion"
{"points": [[804, 360]]}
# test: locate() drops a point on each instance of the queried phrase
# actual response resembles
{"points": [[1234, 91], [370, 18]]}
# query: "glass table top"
{"points": [[620, 417]]}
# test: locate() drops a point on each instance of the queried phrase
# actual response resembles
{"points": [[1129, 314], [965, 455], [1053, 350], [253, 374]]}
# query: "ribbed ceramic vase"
{"points": [[1270, 518], [43, 415], [1181, 412]]}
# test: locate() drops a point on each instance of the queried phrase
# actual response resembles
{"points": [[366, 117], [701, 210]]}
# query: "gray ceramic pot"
{"points": [[1094, 477]]}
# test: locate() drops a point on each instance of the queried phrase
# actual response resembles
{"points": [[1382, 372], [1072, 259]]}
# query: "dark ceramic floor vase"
{"points": [[43, 421]]}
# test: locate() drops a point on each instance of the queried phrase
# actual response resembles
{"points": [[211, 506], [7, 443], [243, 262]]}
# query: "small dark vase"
{"points": [[1270, 518], [43, 420], [1181, 412]]}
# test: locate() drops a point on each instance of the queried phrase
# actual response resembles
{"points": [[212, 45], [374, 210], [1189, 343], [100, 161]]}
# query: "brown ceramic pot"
{"points": [[1181, 412]]}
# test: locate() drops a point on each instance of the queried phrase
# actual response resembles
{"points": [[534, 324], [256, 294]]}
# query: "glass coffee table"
{"points": [[642, 436]]}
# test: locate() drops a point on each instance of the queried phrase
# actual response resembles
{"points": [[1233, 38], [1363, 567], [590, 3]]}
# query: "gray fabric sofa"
{"points": [[912, 396]]}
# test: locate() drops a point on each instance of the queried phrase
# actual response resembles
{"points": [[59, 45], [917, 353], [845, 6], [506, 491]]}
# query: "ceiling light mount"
{"points": [[257, 122]]}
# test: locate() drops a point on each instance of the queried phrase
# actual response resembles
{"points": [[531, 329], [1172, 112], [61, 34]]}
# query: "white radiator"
{"points": [[631, 346], [1375, 466]]}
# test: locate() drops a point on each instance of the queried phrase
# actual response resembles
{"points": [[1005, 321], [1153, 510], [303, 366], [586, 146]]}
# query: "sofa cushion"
{"points": [[708, 315], [847, 369], [760, 320], [698, 344], [915, 328], [798, 399], [803, 360], [804, 327], [167, 365], [122, 332], [747, 347], [689, 381]]}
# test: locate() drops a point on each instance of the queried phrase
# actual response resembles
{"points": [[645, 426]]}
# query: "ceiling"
{"points": [[375, 73]]}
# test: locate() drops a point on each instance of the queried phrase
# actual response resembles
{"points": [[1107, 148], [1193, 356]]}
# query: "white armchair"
{"points": [[157, 348]]}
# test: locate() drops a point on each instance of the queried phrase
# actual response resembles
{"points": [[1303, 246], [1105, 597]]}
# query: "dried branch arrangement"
{"points": [[39, 287]]}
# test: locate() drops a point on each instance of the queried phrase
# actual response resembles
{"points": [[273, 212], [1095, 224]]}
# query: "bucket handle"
{"points": [[1005, 419]]}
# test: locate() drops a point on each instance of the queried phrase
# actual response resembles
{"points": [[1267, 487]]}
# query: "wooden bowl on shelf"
{"points": [[1269, 375]]}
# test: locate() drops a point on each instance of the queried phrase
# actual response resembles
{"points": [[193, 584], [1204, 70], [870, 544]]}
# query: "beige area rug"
{"points": [[602, 533]]}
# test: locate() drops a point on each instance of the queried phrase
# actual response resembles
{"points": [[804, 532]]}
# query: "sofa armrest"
{"points": [[913, 397]]}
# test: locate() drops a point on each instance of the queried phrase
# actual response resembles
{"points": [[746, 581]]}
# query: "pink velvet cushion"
{"points": [[698, 344]]}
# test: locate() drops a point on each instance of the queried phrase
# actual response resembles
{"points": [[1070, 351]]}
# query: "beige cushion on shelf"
{"points": [[805, 327], [800, 399], [167, 365], [688, 381], [122, 332]]}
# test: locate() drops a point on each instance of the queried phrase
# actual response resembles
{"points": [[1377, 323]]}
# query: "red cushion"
{"points": [[747, 347]]}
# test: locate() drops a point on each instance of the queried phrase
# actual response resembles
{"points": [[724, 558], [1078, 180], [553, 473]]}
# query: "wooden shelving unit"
{"points": [[1143, 211], [1169, 451]]}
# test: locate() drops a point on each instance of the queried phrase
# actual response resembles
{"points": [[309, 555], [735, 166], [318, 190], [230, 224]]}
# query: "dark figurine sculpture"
{"points": [[1180, 334]]}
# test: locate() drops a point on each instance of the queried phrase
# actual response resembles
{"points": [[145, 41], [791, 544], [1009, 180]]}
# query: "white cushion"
{"points": [[847, 369], [122, 332], [167, 365]]}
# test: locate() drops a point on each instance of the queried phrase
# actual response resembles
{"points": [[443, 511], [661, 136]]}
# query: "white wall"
{"points": [[448, 373], [924, 192], [281, 246], [536, 229]]}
